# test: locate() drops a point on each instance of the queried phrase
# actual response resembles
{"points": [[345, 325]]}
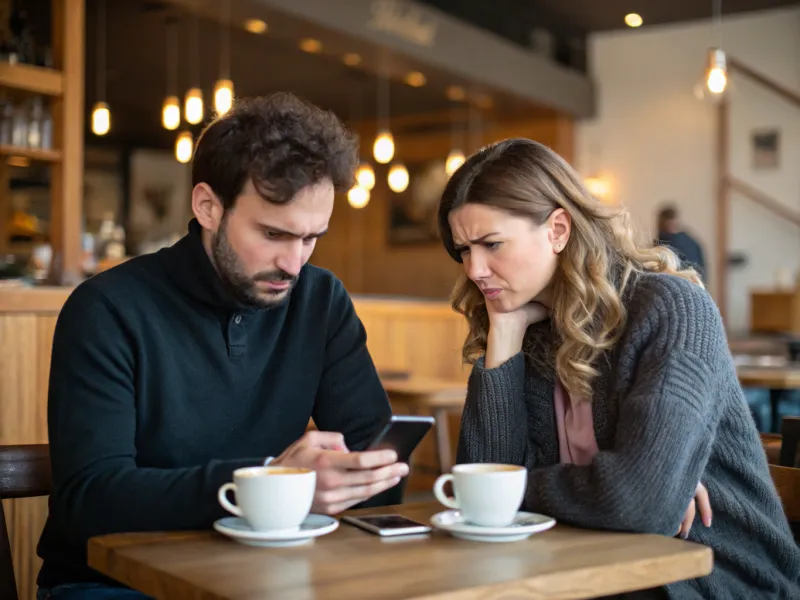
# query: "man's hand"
{"points": [[344, 478]]}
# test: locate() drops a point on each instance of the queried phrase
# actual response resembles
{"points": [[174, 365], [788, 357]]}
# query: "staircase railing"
{"points": [[727, 183]]}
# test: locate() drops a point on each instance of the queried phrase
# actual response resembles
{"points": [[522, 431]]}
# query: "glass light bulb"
{"points": [[101, 119], [398, 178], [717, 80], [223, 96], [383, 148], [171, 113], [184, 146], [365, 176], [193, 106], [358, 197], [454, 160]]}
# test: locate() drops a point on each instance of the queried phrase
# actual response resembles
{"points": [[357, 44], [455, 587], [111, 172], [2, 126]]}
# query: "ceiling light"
{"points": [[633, 20], [351, 59], [255, 26], [358, 197], [310, 45], [398, 178], [455, 93], [415, 79]]}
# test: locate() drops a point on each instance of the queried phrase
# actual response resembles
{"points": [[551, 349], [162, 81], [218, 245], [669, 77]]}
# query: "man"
{"points": [[175, 368], [671, 233]]}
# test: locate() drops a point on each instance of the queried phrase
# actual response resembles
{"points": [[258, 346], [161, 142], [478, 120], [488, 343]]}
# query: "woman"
{"points": [[604, 368]]}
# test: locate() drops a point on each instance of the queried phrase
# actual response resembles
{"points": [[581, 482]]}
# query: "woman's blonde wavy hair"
{"points": [[588, 316]]}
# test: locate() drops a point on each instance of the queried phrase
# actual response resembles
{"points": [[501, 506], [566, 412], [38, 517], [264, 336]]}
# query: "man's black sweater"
{"points": [[161, 385]]}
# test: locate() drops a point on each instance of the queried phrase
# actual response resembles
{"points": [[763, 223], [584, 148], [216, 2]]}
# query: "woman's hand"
{"points": [[507, 330], [700, 500]]}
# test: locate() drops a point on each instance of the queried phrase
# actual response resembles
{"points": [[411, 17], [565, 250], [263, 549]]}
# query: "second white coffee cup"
{"points": [[271, 498], [486, 494]]}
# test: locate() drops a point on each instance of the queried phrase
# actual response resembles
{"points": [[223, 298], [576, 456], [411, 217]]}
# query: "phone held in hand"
{"points": [[388, 525], [402, 433]]}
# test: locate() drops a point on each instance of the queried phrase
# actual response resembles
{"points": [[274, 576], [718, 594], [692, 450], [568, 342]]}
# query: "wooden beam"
{"points": [[68, 116], [764, 200], [723, 204], [781, 90]]}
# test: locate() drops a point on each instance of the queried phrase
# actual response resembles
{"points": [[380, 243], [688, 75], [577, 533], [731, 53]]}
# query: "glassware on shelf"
{"points": [[47, 128], [6, 121], [19, 130], [35, 123]]}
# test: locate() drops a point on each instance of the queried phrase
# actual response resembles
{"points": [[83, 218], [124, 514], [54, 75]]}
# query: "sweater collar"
{"points": [[190, 267]]}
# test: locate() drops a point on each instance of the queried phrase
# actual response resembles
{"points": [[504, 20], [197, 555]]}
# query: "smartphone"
{"points": [[402, 433], [388, 525]]}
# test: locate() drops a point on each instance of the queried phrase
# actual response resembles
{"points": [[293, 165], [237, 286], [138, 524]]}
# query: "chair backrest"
{"points": [[790, 444], [24, 473], [787, 482]]}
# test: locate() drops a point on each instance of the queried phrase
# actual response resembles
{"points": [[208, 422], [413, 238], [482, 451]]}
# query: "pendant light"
{"points": [[171, 109], [716, 65], [383, 147], [193, 109], [184, 146], [357, 196], [398, 178], [101, 113], [223, 89]]}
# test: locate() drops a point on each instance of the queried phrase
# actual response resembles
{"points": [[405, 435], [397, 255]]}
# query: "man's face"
{"points": [[260, 247]]}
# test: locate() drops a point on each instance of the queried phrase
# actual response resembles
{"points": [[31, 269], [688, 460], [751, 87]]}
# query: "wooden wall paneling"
{"points": [[25, 346]]}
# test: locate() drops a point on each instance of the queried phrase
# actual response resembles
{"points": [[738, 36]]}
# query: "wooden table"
{"points": [[436, 395], [562, 563], [776, 378]]}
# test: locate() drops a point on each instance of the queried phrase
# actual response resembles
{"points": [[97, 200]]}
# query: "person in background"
{"points": [[174, 369], [603, 367], [672, 234]]}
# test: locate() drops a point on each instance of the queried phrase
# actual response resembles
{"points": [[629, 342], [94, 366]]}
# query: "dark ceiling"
{"points": [[137, 83], [515, 19]]}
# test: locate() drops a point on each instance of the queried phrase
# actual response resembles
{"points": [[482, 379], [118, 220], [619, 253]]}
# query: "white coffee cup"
{"points": [[271, 498], [487, 494]]}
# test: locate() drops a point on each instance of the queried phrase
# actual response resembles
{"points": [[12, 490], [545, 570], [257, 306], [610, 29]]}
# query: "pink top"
{"points": [[576, 441]]}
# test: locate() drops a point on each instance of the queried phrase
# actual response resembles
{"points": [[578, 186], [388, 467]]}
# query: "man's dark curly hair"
{"points": [[281, 143]]}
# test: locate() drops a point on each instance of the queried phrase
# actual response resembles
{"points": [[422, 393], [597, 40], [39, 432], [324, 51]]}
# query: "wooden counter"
{"points": [[419, 337]]}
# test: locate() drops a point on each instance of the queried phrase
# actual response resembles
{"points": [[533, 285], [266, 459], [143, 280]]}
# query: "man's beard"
{"points": [[236, 281]]}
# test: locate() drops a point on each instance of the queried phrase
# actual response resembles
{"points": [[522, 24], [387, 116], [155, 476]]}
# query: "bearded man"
{"points": [[175, 368]]}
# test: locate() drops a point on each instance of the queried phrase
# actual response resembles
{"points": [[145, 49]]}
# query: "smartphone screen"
{"points": [[388, 524], [402, 434]]}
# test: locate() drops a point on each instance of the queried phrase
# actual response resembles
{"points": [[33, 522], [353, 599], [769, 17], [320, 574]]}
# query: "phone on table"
{"points": [[402, 433], [388, 525]]}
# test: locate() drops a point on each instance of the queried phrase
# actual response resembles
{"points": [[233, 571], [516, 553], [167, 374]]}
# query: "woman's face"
{"points": [[510, 258]]}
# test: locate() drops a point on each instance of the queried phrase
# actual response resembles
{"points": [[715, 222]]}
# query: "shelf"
{"points": [[39, 80], [31, 153]]}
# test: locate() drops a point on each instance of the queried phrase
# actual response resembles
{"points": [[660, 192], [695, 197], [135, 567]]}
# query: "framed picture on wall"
{"points": [[159, 201], [766, 148], [412, 213]]}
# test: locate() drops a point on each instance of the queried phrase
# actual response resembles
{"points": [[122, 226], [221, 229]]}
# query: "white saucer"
{"points": [[238, 529], [524, 525]]}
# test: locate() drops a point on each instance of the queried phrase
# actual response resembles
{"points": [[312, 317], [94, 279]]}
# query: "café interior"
{"points": [[690, 104]]}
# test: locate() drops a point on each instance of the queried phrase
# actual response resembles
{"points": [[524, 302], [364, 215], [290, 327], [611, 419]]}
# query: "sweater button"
{"points": [[237, 319]]}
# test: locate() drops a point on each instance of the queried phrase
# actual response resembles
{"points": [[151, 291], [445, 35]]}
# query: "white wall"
{"points": [[656, 140]]}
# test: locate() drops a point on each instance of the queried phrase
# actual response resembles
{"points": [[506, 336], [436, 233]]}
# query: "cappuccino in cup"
{"points": [[276, 499], [486, 494]]}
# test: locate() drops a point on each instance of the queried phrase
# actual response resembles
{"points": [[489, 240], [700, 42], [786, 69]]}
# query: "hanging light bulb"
{"points": [[193, 106], [101, 119], [383, 148], [398, 178], [184, 146], [223, 96], [365, 176], [358, 197], [717, 71], [454, 160], [171, 113]]}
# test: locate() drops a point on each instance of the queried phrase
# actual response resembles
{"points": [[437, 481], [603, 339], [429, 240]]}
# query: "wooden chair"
{"points": [[24, 473], [787, 482], [790, 442]]}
